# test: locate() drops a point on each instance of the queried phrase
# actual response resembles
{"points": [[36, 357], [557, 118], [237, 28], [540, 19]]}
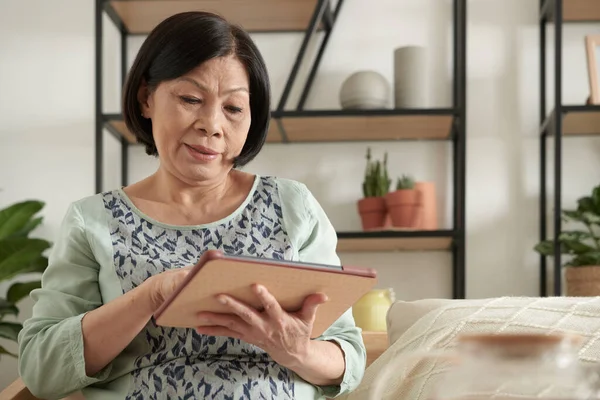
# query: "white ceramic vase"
{"points": [[410, 77], [365, 90]]}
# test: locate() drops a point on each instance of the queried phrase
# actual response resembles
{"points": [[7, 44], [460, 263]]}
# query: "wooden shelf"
{"points": [[376, 343], [577, 121], [116, 125], [380, 241], [575, 10], [341, 126], [141, 16], [346, 126]]}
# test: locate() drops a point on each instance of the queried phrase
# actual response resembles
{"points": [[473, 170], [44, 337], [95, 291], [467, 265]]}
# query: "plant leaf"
{"points": [[10, 330], [546, 248], [589, 258], [21, 290], [30, 226], [7, 308], [585, 217], [596, 199], [17, 216], [8, 353], [22, 255], [586, 204]]}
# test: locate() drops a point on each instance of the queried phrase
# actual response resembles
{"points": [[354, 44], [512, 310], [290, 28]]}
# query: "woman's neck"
{"points": [[171, 190]]}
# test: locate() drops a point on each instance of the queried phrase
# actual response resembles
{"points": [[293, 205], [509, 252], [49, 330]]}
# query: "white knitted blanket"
{"points": [[439, 328]]}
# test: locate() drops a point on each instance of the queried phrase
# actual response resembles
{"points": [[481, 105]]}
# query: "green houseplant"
{"points": [[581, 246], [19, 254], [376, 185]]}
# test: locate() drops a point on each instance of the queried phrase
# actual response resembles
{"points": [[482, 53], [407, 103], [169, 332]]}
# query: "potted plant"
{"points": [[582, 246], [403, 203], [375, 186], [19, 254]]}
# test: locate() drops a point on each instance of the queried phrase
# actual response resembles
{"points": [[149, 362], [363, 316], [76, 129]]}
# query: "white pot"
{"points": [[410, 77], [365, 90]]}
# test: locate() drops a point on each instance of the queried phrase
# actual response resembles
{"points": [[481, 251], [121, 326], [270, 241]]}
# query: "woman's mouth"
{"points": [[201, 153]]}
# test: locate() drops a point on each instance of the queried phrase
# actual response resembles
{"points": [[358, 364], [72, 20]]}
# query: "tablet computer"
{"points": [[288, 281]]}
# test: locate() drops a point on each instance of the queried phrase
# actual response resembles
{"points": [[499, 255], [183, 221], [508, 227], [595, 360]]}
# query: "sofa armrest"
{"points": [[17, 391]]}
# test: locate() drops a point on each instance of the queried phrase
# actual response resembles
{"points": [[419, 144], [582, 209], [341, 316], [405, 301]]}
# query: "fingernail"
{"points": [[222, 299], [259, 289]]}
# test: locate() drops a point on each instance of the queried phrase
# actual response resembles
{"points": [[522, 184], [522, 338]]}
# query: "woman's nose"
{"points": [[209, 121]]}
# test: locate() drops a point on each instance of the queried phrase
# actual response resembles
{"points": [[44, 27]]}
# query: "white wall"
{"points": [[47, 109]]}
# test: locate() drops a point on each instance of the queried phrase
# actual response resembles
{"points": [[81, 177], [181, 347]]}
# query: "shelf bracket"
{"points": [[312, 27]]}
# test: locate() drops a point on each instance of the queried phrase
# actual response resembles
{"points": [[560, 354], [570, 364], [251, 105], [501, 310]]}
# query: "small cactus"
{"points": [[405, 182], [376, 182]]}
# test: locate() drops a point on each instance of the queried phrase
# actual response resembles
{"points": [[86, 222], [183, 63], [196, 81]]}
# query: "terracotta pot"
{"points": [[403, 206], [427, 205], [583, 281], [372, 212]]}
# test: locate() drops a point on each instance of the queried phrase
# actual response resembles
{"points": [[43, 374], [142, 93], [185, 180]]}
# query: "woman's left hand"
{"points": [[284, 336]]}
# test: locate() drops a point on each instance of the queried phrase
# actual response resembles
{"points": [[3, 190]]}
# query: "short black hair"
{"points": [[181, 43]]}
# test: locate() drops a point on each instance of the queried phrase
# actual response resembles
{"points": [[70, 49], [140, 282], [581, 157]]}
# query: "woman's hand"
{"points": [[285, 336], [162, 285]]}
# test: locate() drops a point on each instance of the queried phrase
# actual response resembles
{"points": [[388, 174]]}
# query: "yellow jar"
{"points": [[370, 311]]}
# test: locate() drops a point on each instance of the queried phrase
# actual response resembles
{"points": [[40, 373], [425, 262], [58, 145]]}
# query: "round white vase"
{"points": [[365, 90]]}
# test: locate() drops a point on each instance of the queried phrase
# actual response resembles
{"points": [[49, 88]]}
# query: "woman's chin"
{"points": [[200, 173]]}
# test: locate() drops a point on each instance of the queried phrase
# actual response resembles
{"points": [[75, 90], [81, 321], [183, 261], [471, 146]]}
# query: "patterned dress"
{"points": [[107, 247], [180, 363]]}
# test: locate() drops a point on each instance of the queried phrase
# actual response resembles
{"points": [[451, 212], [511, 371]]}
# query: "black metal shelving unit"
{"points": [[299, 125], [562, 122]]}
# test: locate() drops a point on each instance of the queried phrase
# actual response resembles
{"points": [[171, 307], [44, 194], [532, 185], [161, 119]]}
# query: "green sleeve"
{"points": [[51, 361], [316, 241]]}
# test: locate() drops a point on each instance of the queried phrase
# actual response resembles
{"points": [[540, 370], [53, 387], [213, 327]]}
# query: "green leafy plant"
{"points": [[376, 182], [405, 183], [582, 245], [19, 254]]}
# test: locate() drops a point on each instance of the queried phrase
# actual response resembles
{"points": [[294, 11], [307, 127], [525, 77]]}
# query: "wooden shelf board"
{"points": [[577, 121], [581, 10], [376, 343], [119, 126], [340, 128], [141, 16], [394, 241]]}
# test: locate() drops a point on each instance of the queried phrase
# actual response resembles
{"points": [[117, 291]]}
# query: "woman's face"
{"points": [[200, 121]]}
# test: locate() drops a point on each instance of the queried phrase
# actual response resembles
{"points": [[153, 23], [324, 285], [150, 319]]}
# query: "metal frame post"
{"points": [[459, 147], [99, 142], [124, 142], [558, 15], [543, 137]]}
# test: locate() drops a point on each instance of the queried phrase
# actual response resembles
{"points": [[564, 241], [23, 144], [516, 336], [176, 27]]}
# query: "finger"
{"points": [[218, 331], [245, 312], [269, 302], [310, 306], [230, 321]]}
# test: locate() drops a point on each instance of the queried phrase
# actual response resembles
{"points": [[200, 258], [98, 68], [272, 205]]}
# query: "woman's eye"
{"points": [[190, 100], [234, 109]]}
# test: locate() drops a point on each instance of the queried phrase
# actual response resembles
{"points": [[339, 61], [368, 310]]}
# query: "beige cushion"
{"points": [[403, 314], [428, 325]]}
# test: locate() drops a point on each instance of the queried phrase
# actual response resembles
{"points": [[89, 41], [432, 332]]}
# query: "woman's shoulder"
{"points": [[288, 187], [88, 208]]}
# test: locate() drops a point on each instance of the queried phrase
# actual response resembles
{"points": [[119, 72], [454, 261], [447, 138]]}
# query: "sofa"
{"points": [[432, 324], [435, 323]]}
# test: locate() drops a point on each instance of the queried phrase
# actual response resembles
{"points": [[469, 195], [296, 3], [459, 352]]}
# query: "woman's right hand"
{"points": [[162, 285]]}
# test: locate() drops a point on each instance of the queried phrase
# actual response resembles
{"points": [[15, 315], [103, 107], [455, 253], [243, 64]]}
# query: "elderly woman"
{"points": [[197, 97]]}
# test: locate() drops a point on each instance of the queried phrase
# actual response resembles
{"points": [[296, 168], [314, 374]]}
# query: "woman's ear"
{"points": [[143, 97]]}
